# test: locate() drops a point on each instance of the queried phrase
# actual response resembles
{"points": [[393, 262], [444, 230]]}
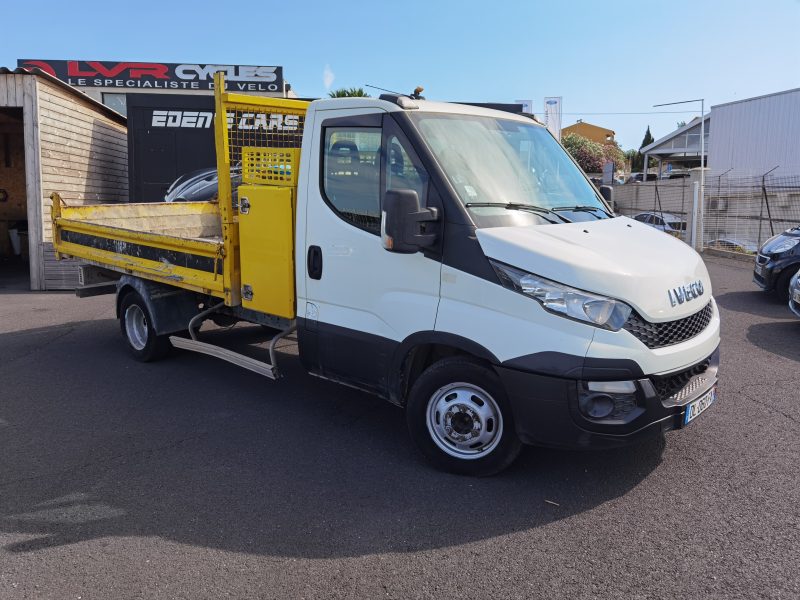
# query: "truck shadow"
{"points": [[199, 452], [777, 338], [756, 302]]}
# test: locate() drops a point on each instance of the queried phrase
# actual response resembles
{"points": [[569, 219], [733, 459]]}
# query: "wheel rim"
{"points": [[464, 421], [136, 327]]}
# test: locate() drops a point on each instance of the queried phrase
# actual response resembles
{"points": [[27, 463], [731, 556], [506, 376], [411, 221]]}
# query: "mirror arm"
{"points": [[424, 215]]}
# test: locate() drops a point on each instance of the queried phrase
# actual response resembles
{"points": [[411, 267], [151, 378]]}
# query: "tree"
{"points": [[632, 157], [648, 138], [348, 93], [680, 124], [613, 153], [590, 155], [636, 157]]}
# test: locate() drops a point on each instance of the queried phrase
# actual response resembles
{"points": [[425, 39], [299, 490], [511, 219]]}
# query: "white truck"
{"points": [[450, 259]]}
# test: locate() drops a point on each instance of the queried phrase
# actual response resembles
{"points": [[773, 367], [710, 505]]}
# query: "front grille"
{"points": [[658, 335], [677, 387]]}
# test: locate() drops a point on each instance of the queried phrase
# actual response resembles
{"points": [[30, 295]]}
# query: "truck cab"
{"points": [[451, 259], [511, 297]]}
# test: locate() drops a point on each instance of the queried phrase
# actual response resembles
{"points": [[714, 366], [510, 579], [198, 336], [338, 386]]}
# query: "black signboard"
{"points": [[163, 76], [171, 144], [169, 136]]}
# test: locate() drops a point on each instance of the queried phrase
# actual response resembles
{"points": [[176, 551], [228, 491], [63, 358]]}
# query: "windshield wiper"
{"points": [[582, 208], [518, 206]]}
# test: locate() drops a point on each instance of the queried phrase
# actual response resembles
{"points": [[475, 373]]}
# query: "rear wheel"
{"points": [[137, 328], [459, 417]]}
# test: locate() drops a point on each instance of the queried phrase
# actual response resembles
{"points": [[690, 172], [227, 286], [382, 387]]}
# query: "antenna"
{"points": [[382, 89]]}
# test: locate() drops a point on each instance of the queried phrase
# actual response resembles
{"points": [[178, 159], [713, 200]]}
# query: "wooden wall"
{"points": [[84, 157], [84, 154]]}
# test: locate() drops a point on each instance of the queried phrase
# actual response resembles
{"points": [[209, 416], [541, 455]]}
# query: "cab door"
{"points": [[360, 300]]}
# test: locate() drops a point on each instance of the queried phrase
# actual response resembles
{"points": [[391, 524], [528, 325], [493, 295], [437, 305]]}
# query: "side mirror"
{"points": [[607, 192], [401, 222]]}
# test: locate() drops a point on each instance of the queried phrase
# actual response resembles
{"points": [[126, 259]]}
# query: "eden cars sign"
{"points": [[168, 76], [199, 119]]}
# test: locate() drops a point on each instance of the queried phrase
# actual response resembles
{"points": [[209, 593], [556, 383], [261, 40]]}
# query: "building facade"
{"points": [[598, 134], [757, 135], [681, 149]]}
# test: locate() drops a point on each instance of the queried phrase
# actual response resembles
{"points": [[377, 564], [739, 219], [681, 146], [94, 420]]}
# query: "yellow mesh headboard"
{"points": [[270, 166]]}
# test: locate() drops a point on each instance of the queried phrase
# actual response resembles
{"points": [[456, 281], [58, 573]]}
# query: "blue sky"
{"points": [[602, 57]]}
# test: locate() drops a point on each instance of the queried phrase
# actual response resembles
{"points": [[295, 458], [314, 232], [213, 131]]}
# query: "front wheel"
{"points": [[137, 327], [782, 284], [459, 417]]}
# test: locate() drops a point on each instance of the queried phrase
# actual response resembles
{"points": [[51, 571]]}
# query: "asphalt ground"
{"points": [[192, 478]]}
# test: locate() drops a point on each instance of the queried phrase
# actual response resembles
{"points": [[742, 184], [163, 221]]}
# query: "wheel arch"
{"points": [[420, 350], [170, 308]]}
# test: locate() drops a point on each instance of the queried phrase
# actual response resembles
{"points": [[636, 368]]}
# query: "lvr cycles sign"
{"points": [[169, 76]]}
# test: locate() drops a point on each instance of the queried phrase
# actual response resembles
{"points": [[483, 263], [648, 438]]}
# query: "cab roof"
{"points": [[422, 106]]}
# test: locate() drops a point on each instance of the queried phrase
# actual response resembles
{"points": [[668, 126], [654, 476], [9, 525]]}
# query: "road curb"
{"points": [[744, 258]]}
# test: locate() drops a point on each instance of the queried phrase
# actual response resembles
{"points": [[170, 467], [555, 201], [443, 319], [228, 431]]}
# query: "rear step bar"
{"points": [[269, 369], [247, 362]]}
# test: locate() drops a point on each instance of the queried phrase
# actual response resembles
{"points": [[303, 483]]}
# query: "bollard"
{"points": [[695, 218]]}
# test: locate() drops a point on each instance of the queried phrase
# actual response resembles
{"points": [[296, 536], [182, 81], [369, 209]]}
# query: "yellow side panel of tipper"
{"points": [[146, 240], [266, 242]]}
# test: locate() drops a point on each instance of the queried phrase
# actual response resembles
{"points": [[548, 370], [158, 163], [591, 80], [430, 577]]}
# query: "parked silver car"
{"points": [[666, 222], [734, 245], [200, 186], [794, 294]]}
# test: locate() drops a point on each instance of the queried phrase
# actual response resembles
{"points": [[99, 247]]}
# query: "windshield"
{"points": [[512, 165]]}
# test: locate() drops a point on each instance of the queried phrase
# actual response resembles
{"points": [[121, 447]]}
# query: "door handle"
{"points": [[314, 262]]}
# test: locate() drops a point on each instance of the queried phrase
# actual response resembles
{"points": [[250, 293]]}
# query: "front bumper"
{"points": [[768, 269], [547, 410], [764, 273]]}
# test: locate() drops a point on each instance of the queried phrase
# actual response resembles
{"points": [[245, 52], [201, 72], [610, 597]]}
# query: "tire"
{"points": [[466, 398], [137, 329], [782, 283]]}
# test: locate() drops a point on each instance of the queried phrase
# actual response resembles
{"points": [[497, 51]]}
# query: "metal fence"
{"points": [[738, 214], [741, 213], [666, 205]]}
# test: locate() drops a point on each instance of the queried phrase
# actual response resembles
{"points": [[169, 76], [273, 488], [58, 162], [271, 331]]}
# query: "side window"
{"points": [[351, 174], [658, 221], [643, 218], [403, 169]]}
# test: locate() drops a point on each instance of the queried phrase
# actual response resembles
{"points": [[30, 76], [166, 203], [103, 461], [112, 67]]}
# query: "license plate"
{"points": [[696, 408], [759, 270]]}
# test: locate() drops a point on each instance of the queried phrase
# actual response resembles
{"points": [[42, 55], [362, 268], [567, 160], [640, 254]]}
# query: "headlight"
{"points": [[564, 300], [780, 244]]}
